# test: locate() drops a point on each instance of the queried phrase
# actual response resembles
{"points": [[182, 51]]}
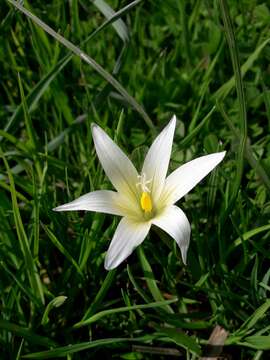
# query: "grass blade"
{"points": [[100, 295], [71, 349], [99, 69], [119, 25], [103, 313], [259, 342], [226, 88], [246, 237], [62, 249], [150, 279], [241, 99], [26, 334], [31, 269], [33, 97], [181, 339]]}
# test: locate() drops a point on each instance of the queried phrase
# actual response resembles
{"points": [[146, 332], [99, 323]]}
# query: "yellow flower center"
{"points": [[146, 202]]}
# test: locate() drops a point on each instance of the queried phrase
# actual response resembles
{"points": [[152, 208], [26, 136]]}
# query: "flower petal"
{"points": [[174, 221], [115, 163], [101, 201], [128, 235], [183, 179], [157, 159]]}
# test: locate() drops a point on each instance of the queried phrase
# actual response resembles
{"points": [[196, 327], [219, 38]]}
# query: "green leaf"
{"points": [[150, 279], [226, 88], [27, 334], [96, 303], [246, 236], [35, 94], [257, 342], [181, 339], [30, 265], [103, 313], [255, 317], [71, 349], [62, 249], [99, 69], [118, 25]]}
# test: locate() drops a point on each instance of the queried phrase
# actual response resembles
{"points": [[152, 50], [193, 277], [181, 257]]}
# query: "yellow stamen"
{"points": [[146, 202]]}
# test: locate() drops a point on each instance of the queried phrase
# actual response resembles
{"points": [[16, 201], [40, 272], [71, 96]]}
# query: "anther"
{"points": [[146, 202]]}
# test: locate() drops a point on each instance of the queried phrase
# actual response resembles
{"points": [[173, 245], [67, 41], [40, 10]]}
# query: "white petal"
{"points": [[183, 179], [115, 163], [101, 201], [175, 223], [157, 159], [128, 235]]}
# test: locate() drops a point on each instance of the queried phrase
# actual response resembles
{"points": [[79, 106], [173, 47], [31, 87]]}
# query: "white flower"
{"points": [[143, 199]]}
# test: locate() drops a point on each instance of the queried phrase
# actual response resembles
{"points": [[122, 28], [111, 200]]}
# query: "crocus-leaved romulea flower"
{"points": [[146, 198]]}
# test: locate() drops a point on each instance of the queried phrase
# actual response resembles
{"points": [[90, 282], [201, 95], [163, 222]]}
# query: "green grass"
{"points": [[142, 62]]}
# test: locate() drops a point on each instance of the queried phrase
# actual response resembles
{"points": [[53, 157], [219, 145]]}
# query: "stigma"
{"points": [[146, 202]]}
